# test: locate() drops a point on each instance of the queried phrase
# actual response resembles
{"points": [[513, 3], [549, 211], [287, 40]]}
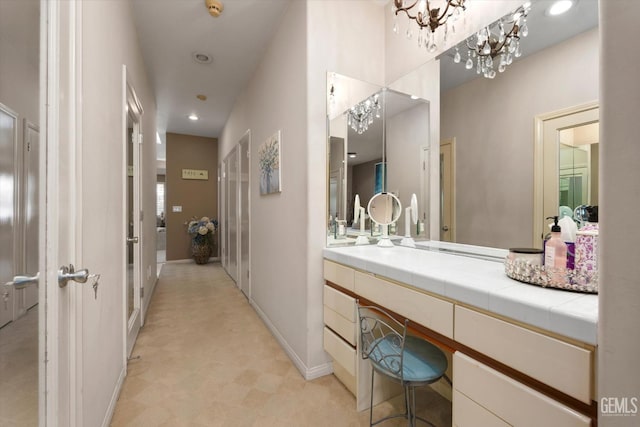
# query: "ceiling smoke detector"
{"points": [[202, 58], [215, 7]]}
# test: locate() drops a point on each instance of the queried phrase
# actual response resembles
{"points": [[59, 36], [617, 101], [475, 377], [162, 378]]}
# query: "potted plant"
{"points": [[202, 231]]}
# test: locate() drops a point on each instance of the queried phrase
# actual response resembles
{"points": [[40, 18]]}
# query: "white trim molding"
{"points": [[308, 373]]}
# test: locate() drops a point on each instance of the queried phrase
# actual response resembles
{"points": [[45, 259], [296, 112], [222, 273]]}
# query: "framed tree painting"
{"points": [[269, 164]]}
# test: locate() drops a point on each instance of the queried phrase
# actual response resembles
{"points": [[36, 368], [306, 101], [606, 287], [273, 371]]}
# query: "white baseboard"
{"points": [[190, 260], [308, 373], [114, 399], [319, 371]]}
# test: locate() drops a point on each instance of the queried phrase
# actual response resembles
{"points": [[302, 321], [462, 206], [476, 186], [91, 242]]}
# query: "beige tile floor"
{"points": [[19, 371], [206, 359]]}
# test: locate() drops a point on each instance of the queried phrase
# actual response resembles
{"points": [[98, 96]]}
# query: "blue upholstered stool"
{"points": [[408, 360]]}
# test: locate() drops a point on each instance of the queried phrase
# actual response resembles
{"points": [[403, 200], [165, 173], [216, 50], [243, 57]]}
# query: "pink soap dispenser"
{"points": [[555, 254]]}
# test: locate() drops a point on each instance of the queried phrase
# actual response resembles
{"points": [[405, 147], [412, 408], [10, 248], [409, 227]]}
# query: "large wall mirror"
{"points": [[493, 119], [369, 128], [486, 125]]}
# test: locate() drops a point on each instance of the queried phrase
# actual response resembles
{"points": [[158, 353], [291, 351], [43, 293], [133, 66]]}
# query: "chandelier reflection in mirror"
{"points": [[426, 15], [361, 115], [493, 46]]}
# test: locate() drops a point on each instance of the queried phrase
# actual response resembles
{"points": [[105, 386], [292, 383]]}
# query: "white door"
{"points": [[245, 182], [8, 209], [31, 176], [447, 191], [231, 217], [132, 139], [222, 186]]}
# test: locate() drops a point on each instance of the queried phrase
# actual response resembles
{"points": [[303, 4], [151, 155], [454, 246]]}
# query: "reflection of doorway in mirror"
{"points": [[566, 163], [578, 157], [424, 198], [447, 190]]}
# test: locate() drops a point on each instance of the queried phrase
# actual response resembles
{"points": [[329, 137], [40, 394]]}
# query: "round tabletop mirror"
{"points": [[384, 208]]}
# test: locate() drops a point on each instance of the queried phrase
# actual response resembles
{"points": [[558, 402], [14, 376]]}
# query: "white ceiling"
{"points": [[170, 31]]}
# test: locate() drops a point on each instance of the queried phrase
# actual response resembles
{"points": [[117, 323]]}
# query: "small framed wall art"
{"points": [[269, 163]]}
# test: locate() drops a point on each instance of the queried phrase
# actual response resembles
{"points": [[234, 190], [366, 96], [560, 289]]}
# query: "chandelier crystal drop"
{"points": [[493, 47], [429, 18], [361, 115]]}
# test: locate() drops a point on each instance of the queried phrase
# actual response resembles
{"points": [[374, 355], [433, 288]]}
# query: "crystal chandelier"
{"points": [[494, 46], [429, 17], [361, 115]]}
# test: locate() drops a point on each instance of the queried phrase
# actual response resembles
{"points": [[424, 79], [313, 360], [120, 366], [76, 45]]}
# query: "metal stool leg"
{"points": [[373, 371]]}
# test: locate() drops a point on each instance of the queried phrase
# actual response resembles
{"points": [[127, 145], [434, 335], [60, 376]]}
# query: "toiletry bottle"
{"points": [[555, 254], [587, 249]]}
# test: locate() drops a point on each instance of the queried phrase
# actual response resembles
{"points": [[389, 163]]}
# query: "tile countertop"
{"points": [[480, 283]]}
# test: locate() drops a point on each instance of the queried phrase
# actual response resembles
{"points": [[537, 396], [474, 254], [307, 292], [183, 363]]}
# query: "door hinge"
{"points": [[140, 136], [141, 292], [141, 215], [28, 146]]}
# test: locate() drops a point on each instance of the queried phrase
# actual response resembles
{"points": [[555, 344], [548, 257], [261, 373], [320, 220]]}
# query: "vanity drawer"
{"points": [[341, 303], [346, 378], [340, 351], [433, 313], [339, 274], [340, 325], [467, 413], [563, 366], [508, 399]]}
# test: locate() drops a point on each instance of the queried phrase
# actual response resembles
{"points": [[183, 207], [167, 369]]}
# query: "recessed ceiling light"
{"points": [[560, 7], [201, 97], [193, 117], [352, 155], [202, 58], [414, 97]]}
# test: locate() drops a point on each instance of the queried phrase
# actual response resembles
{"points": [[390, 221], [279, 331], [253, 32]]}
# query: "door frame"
{"points": [[131, 104], [452, 192], [545, 164], [245, 282], [60, 203]]}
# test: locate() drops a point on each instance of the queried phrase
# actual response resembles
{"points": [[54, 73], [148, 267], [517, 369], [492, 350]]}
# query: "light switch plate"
{"points": [[176, 209]]}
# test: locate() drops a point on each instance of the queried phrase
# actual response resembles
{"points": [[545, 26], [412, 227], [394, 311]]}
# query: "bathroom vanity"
{"points": [[520, 354]]}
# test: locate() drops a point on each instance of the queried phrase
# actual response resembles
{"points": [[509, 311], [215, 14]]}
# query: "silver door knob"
{"points": [[445, 228], [20, 282], [132, 239], [68, 273]]}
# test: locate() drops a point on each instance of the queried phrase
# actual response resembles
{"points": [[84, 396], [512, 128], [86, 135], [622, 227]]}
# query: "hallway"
{"points": [[206, 359]]}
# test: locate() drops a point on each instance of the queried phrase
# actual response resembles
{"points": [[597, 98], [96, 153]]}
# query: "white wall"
{"points": [[492, 121], [287, 92], [275, 100], [109, 41], [346, 38], [619, 252]]}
